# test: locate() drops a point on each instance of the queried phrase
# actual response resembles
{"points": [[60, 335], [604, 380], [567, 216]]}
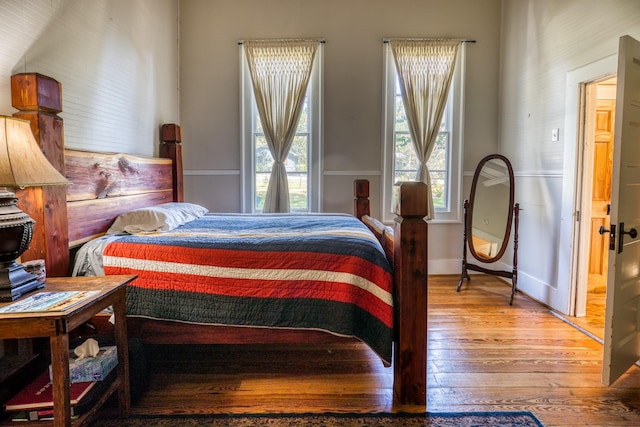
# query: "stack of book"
{"points": [[35, 401]]}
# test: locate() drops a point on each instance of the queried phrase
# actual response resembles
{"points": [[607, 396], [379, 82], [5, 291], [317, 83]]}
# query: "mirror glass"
{"points": [[490, 208]]}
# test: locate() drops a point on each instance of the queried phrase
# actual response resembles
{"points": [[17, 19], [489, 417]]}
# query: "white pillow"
{"points": [[164, 217]]}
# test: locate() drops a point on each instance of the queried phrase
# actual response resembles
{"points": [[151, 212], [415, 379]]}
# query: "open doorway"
{"points": [[597, 126]]}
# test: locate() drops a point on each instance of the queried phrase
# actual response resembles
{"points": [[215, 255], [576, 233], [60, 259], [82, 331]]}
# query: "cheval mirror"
{"points": [[489, 214]]}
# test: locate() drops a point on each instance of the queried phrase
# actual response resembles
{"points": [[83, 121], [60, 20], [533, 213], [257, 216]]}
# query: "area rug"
{"points": [[457, 419]]}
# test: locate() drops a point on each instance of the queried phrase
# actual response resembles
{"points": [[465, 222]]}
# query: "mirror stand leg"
{"points": [[463, 275], [514, 275]]}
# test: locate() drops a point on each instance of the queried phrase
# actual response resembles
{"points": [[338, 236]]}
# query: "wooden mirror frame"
{"points": [[471, 204], [512, 220]]}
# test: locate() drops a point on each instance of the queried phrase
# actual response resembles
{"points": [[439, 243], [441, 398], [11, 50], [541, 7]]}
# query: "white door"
{"points": [[622, 331]]}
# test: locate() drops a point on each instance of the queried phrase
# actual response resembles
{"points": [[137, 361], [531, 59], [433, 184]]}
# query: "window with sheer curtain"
{"points": [[281, 107], [402, 161]]}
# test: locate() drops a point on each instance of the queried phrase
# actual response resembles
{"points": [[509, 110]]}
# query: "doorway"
{"points": [[597, 125]]}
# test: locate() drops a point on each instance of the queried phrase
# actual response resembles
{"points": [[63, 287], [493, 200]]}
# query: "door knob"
{"points": [[633, 233], [603, 230]]}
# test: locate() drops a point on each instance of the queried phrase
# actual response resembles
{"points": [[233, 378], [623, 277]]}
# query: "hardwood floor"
{"points": [[484, 355], [593, 322]]}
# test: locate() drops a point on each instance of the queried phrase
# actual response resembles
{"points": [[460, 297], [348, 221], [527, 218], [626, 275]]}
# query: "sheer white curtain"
{"points": [[280, 71], [425, 70]]}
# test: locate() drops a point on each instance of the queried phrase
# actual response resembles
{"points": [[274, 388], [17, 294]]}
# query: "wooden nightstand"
{"points": [[57, 324]]}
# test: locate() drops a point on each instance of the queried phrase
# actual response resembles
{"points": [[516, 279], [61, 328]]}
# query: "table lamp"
{"points": [[22, 164]]}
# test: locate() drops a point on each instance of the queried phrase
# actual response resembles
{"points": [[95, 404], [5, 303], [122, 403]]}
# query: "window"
{"points": [[297, 163], [400, 159], [303, 160], [405, 159]]}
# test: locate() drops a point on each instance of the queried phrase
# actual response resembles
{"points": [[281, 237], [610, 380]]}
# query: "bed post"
{"points": [[410, 270], [361, 202], [171, 136], [39, 99]]}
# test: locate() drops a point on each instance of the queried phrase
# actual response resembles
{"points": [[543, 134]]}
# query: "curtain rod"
{"points": [[318, 40], [443, 38]]}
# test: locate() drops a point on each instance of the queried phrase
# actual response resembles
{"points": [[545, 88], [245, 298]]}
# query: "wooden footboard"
{"points": [[406, 246]]}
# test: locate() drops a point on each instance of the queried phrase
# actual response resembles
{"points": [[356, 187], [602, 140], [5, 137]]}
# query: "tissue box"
{"points": [[92, 368]]}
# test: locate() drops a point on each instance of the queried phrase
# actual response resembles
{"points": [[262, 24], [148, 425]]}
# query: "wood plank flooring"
{"points": [[593, 322], [484, 355]]}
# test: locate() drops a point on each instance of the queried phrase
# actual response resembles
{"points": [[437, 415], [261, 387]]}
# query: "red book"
{"points": [[39, 394]]}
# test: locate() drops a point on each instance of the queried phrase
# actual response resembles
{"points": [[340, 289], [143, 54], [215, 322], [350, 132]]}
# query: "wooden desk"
{"points": [[57, 324]]}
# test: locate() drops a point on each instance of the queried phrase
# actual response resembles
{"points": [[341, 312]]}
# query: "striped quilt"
{"points": [[303, 271]]}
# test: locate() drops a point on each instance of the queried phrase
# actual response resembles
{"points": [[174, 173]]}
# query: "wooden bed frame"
{"points": [[108, 184]]}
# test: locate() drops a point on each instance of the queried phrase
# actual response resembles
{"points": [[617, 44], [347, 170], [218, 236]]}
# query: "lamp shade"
{"points": [[22, 163]]}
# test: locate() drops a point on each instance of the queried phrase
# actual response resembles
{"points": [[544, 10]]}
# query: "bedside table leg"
{"points": [[60, 369], [124, 392]]}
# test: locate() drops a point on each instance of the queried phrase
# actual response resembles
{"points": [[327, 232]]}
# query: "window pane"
{"points": [[296, 165], [438, 180], [437, 164], [303, 124], [262, 182], [263, 159], [298, 199], [401, 124], [438, 159], [263, 162], [298, 154], [406, 161], [297, 169]]}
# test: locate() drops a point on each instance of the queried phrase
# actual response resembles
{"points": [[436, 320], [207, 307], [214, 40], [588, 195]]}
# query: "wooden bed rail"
{"points": [[361, 207]]}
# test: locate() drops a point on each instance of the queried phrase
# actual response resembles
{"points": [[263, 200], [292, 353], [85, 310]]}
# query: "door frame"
{"points": [[571, 290], [586, 146], [586, 103]]}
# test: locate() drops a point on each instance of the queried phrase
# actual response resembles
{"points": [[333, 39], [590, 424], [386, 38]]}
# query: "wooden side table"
{"points": [[57, 324]]}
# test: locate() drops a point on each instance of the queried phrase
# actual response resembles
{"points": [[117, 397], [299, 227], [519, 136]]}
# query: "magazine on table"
{"points": [[48, 301]]}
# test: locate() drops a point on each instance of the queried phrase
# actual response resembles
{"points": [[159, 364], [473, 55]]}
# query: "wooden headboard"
{"points": [[108, 184]]}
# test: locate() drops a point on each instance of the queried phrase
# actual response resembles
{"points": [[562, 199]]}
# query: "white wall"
{"points": [[543, 42], [117, 61], [354, 31]]}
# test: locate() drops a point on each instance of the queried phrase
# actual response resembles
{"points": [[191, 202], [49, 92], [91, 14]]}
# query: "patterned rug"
{"points": [[457, 419]]}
